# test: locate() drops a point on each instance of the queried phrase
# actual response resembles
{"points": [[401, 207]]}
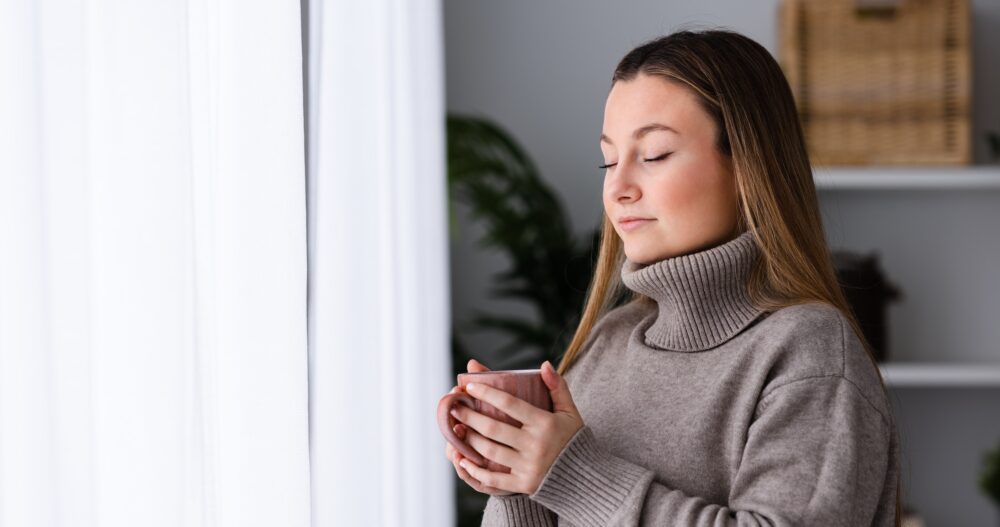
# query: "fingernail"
{"points": [[454, 413], [463, 464], [471, 386]]}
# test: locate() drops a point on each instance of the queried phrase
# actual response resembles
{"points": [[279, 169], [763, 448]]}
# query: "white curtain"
{"points": [[379, 296], [153, 326]]}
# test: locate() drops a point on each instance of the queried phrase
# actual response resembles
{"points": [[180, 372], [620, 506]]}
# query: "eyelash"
{"points": [[659, 158]]}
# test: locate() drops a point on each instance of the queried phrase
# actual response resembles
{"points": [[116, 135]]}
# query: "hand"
{"points": [[456, 457], [529, 451]]}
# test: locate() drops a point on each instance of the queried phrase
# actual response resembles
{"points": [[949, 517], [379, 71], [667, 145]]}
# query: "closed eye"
{"points": [[657, 158]]}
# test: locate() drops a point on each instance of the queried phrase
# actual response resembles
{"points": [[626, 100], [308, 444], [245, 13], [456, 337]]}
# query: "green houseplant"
{"points": [[490, 174], [549, 268], [989, 477]]}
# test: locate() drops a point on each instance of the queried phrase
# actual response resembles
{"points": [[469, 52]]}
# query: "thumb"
{"points": [[562, 401], [475, 366]]}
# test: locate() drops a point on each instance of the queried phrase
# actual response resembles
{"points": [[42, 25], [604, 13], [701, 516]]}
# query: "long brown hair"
{"points": [[743, 89]]}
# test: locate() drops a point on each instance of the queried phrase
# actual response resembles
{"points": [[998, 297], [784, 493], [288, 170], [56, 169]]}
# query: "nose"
{"points": [[620, 184]]}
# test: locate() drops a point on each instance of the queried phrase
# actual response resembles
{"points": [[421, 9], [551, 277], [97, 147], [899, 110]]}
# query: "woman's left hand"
{"points": [[529, 451]]}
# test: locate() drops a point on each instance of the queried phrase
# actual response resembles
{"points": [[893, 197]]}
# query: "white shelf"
{"points": [[941, 374], [973, 177]]}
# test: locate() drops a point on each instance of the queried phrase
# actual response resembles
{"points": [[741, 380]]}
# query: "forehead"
{"points": [[648, 98]]}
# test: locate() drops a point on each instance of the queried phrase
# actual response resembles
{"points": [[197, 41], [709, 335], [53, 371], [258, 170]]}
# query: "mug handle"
{"points": [[446, 422]]}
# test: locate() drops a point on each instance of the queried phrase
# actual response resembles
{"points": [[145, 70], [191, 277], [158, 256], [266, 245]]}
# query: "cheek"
{"points": [[698, 188], [677, 192]]}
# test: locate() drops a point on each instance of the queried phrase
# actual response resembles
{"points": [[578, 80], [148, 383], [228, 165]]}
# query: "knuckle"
{"points": [[475, 436], [484, 448], [489, 428]]}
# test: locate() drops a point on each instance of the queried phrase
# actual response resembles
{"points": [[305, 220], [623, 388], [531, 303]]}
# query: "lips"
{"points": [[628, 223]]}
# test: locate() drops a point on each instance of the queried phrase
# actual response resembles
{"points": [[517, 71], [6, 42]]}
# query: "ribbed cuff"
{"points": [[516, 510], [586, 485]]}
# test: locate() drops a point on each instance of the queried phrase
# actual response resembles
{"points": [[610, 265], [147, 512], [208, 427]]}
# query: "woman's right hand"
{"points": [[455, 456]]}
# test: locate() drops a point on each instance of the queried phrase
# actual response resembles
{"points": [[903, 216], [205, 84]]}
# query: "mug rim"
{"points": [[507, 372]]}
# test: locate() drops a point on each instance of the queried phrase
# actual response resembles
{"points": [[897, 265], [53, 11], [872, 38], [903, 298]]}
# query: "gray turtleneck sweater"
{"points": [[701, 409]]}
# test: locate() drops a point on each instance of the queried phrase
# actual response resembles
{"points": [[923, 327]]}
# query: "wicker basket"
{"points": [[885, 84]]}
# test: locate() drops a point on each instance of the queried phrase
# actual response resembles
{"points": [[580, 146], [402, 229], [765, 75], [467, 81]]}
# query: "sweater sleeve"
{"points": [[816, 454], [516, 510]]}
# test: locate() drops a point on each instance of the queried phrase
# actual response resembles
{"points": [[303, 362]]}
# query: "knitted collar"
{"points": [[702, 296]]}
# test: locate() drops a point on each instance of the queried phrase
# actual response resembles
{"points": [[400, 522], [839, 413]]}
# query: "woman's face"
{"points": [[687, 200]]}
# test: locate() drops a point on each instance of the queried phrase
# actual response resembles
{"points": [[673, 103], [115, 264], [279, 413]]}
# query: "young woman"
{"points": [[735, 388]]}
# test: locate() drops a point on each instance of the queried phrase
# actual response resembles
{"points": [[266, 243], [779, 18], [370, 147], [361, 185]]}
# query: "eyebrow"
{"points": [[639, 132]]}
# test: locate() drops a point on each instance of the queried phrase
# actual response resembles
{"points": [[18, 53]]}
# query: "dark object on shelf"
{"points": [[993, 138], [989, 476], [868, 293], [911, 517]]}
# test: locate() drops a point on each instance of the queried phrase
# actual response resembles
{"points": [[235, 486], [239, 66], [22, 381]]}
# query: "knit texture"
{"points": [[701, 410]]}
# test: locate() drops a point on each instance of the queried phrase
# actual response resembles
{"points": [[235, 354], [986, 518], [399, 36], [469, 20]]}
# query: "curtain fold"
{"points": [[153, 338], [194, 328], [379, 293]]}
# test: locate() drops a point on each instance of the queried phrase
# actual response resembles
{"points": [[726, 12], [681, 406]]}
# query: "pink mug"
{"points": [[523, 384]]}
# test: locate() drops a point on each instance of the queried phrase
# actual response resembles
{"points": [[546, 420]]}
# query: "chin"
{"points": [[642, 257]]}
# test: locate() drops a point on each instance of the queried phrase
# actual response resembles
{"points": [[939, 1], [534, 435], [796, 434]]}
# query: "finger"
{"points": [[562, 400], [460, 430], [519, 409], [455, 456], [474, 483], [497, 430], [492, 450], [463, 474], [488, 478], [475, 366]]}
